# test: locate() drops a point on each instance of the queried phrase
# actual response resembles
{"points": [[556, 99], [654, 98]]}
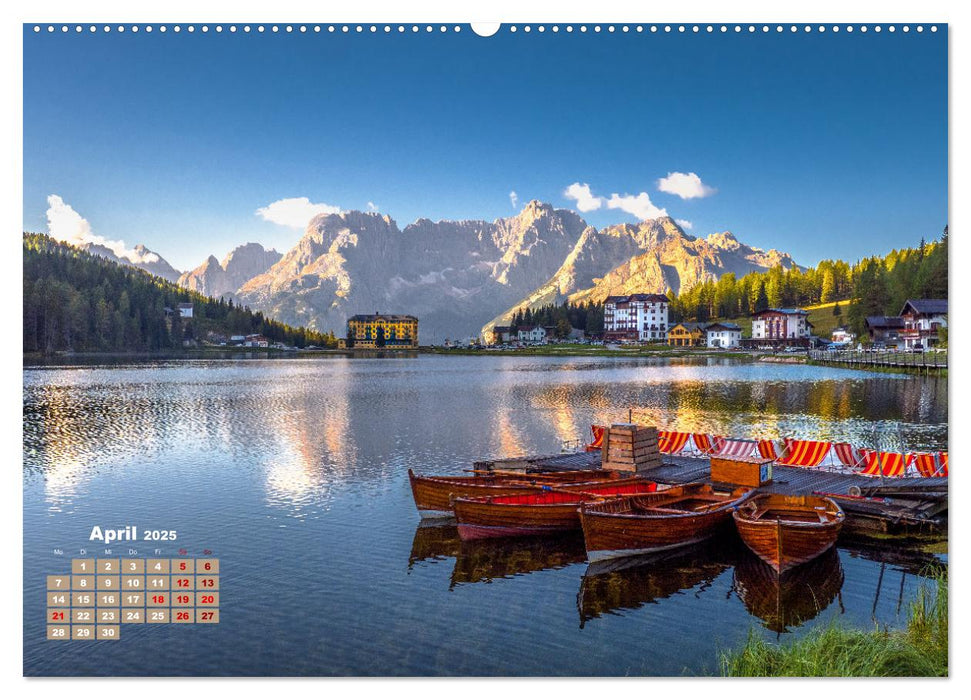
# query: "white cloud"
{"points": [[513, 198], [66, 225], [371, 206], [585, 199], [295, 212], [685, 224], [685, 185], [639, 205]]}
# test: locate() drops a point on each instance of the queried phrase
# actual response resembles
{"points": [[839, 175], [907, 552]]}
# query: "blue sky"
{"points": [[822, 145]]}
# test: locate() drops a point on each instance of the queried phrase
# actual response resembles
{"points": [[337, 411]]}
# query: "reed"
{"points": [[835, 651]]}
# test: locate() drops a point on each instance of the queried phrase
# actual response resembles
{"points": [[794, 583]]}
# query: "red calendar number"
{"points": [[207, 599], [182, 616], [183, 583], [158, 598], [182, 599], [206, 614], [208, 583], [57, 616]]}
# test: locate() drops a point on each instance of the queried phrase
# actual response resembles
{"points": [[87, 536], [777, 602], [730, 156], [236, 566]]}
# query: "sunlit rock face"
{"points": [[222, 279]]}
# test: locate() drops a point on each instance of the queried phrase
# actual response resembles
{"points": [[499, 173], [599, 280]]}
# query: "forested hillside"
{"points": [[873, 286], [77, 301]]}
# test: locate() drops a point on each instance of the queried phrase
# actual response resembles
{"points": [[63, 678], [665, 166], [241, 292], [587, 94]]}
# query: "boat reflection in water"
{"points": [[791, 599], [628, 584], [434, 541], [479, 561]]}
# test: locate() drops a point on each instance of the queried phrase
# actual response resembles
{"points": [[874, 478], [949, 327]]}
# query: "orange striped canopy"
{"points": [[767, 449], [885, 463], [704, 442], [671, 442], [931, 463], [598, 437], [804, 453]]}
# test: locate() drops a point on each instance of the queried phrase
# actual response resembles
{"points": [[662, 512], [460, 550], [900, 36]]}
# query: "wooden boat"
{"points": [[786, 531], [431, 493], [676, 517], [552, 509]]}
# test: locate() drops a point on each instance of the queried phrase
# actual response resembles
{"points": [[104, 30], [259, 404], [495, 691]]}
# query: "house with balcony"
{"points": [[636, 318], [780, 328], [922, 319]]}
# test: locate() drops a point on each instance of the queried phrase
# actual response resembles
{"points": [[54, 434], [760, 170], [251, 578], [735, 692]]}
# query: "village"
{"points": [[644, 319]]}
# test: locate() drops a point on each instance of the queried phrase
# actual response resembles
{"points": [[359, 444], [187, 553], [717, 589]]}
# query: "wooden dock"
{"points": [[906, 506], [861, 359]]}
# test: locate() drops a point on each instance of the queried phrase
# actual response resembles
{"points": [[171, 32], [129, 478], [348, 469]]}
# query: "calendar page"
{"points": [[524, 349]]}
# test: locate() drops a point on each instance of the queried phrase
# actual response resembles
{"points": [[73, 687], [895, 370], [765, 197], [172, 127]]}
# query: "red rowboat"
{"points": [[675, 517], [546, 511], [786, 531], [431, 493]]}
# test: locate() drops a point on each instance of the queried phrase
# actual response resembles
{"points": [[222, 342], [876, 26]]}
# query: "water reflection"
{"points": [[486, 560], [792, 599], [434, 542], [612, 587], [482, 561]]}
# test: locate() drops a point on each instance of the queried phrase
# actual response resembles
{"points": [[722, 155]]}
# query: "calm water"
{"points": [[294, 473]]}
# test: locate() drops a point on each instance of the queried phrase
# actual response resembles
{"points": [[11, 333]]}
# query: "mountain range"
{"points": [[141, 257], [461, 277]]}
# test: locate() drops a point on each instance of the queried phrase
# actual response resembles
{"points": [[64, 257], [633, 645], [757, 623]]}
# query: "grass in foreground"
{"points": [[921, 650]]}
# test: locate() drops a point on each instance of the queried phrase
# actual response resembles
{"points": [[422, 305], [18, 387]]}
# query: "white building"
{"points": [[922, 319], [256, 341], [723, 335], [536, 334], [841, 335], [781, 324], [638, 317], [185, 310]]}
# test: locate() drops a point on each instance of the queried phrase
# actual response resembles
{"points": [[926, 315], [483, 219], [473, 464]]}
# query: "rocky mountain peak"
{"points": [[725, 240], [223, 279], [140, 257]]}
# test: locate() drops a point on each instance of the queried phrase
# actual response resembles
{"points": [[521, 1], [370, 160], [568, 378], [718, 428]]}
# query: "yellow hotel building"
{"points": [[382, 330]]}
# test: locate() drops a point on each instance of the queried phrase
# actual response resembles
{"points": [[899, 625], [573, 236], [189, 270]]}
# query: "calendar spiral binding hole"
{"points": [[511, 28]]}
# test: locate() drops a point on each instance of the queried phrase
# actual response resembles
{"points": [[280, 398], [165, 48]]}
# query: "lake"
{"points": [[294, 473]]}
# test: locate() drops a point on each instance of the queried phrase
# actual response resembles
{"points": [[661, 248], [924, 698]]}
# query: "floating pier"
{"points": [[901, 506]]}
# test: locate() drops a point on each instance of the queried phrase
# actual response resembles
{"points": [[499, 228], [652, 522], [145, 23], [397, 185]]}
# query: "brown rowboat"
{"points": [[676, 517], [431, 493], [553, 509], [786, 531]]}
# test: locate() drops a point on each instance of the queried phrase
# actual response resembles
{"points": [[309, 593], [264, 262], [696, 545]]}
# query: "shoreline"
{"points": [[657, 351]]}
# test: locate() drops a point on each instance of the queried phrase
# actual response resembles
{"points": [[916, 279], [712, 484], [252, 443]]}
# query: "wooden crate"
{"points": [[631, 448], [751, 471]]}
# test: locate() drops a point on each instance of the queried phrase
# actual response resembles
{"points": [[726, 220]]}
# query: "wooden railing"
{"points": [[934, 359]]}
